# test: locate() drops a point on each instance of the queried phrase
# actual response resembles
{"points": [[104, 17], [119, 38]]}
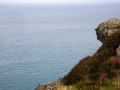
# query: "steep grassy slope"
{"points": [[98, 72]]}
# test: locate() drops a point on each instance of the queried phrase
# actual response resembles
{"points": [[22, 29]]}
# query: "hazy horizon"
{"points": [[58, 1]]}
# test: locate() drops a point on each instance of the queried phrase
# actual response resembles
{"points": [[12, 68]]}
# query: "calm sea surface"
{"points": [[41, 43]]}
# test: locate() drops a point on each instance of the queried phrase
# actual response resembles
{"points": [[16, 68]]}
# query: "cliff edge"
{"points": [[101, 71]]}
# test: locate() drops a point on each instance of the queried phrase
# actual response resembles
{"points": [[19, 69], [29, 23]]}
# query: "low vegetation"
{"points": [[98, 72]]}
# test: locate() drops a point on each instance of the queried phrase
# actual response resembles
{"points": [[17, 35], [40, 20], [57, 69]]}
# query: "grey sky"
{"points": [[57, 1]]}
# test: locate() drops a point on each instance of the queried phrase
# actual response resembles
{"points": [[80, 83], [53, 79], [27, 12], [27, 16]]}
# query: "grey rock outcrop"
{"points": [[106, 28], [49, 86], [118, 52]]}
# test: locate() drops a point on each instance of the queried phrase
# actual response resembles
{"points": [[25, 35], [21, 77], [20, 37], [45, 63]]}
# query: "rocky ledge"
{"points": [[49, 86]]}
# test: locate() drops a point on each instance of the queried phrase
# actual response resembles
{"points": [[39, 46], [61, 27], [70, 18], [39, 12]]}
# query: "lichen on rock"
{"points": [[106, 28]]}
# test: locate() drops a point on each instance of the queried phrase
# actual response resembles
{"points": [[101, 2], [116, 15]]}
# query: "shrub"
{"points": [[78, 73]]}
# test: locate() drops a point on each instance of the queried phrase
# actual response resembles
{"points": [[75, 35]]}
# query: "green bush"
{"points": [[94, 69]]}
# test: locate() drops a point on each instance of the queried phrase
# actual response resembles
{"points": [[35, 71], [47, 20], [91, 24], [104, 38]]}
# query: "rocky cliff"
{"points": [[107, 28]]}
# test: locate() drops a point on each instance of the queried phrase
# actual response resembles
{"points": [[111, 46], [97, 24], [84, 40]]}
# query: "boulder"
{"points": [[106, 28], [118, 52]]}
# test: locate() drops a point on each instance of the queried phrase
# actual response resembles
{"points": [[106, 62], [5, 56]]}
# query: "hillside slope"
{"points": [[101, 71]]}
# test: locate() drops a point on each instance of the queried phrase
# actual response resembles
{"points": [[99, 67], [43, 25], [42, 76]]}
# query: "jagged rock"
{"points": [[49, 86], [118, 52], [106, 28]]}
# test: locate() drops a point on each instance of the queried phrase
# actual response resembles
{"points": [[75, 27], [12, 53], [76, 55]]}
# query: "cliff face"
{"points": [[106, 28]]}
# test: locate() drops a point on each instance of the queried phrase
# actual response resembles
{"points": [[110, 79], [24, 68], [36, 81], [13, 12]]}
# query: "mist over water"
{"points": [[39, 44]]}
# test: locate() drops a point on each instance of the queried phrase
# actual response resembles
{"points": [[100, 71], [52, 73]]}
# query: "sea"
{"points": [[41, 43]]}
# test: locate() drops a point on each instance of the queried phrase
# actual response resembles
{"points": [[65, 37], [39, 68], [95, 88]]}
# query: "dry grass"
{"points": [[63, 87]]}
